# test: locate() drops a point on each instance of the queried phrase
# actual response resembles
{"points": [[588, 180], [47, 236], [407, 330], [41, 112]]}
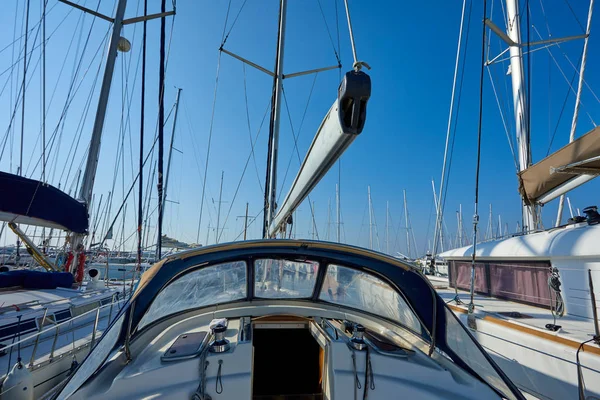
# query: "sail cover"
{"points": [[32, 202], [574, 161]]}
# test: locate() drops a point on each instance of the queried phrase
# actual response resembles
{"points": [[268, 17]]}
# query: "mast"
{"points": [[161, 130], [460, 227], [271, 179], [529, 214], [387, 230], [23, 89], [87, 185], [246, 222], [438, 232], [171, 150], [219, 209], [314, 223], [328, 218], [45, 3], [406, 222], [370, 219], [337, 210], [141, 167]]}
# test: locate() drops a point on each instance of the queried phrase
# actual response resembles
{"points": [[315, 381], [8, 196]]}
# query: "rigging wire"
{"points": [[196, 147], [296, 137], [241, 178], [504, 124], [70, 96], [439, 217], [337, 57], [477, 167], [250, 129], [226, 36], [210, 131], [53, 92], [574, 15], [10, 78], [35, 26], [256, 217]]}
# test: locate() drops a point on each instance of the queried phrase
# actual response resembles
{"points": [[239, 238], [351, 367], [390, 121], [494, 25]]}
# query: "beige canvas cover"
{"points": [[538, 179]]}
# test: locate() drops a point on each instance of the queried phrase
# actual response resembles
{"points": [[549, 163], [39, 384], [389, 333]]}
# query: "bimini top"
{"points": [[32, 202]]}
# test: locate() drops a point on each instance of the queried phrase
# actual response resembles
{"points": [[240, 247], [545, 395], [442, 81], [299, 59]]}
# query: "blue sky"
{"points": [[411, 48]]}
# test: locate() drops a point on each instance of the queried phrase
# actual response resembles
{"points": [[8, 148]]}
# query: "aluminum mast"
{"points": [[520, 103], [271, 180]]}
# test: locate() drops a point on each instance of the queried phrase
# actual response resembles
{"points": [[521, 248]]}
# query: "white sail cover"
{"points": [[344, 121]]}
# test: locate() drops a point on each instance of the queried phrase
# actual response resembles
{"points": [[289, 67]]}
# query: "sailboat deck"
{"points": [[522, 317]]}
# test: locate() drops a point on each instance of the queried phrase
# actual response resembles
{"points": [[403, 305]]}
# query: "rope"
{"points": [[200, 393], [476, 215], [557, 307], [357, 384], [219, 381]]}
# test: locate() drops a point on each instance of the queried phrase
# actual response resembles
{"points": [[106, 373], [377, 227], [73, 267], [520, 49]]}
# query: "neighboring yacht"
{"points": [[530, 299]]}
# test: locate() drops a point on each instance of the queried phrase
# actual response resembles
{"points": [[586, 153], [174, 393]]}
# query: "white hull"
{"points": [[544, 368]]}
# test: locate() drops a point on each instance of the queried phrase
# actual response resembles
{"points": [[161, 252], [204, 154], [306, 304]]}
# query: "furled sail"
{"points": [[344, 121], [31, 202], [569, 167]]}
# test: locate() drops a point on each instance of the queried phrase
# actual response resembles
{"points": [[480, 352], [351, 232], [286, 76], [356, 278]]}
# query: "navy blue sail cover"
{"points": [[31, 202]]}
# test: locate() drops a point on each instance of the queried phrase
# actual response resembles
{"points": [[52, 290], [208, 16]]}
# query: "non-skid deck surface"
{"points": [[576, 329]]}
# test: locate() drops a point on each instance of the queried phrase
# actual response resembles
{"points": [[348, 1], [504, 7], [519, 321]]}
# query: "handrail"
{"points": [[36, 303], [58, 326]]}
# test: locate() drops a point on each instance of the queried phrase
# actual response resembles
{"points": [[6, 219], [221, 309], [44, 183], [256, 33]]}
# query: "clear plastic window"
{"points": [[95, 359], [280, 279], [363, 291], [462, 344], [216, 284]]}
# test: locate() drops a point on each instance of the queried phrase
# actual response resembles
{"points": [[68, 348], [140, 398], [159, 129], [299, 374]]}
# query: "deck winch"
{"points": [[219, 344]]}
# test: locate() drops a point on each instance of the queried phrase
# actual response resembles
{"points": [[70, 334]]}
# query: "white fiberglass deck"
{"points": [[541, 362]]}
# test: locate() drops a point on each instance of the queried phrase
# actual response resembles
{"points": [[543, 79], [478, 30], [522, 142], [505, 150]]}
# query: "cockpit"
{"points": [[286, 319]]}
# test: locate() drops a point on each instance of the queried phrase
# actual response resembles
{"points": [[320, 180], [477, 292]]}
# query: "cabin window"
{"points": [[281, 279], [216, 284], [363, 291]]}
